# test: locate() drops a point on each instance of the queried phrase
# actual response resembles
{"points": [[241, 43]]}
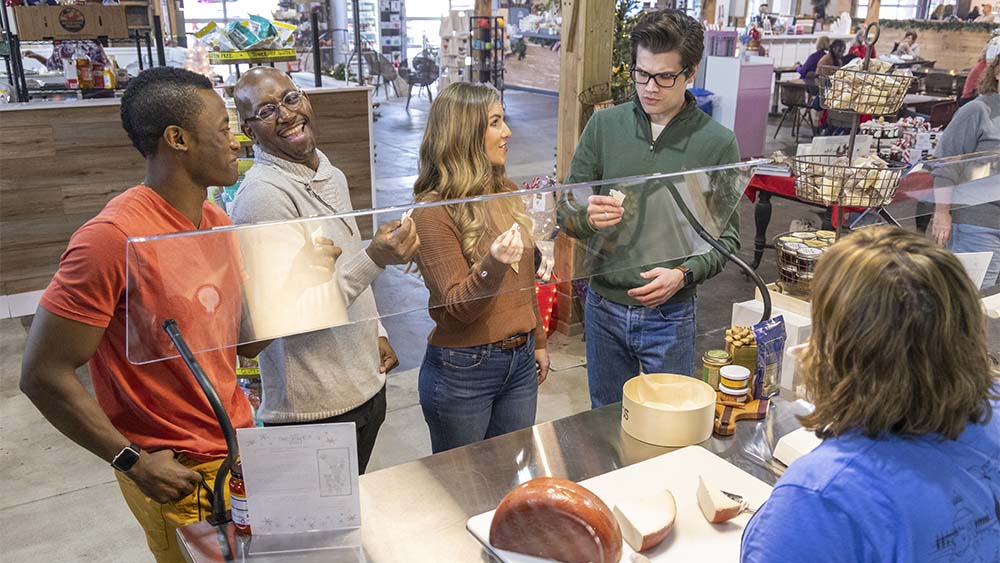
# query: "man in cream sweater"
{"points": [[332, 374]]}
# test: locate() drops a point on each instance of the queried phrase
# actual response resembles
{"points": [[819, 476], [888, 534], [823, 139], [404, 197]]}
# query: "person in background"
{"points": [[808, 69], [987, 15], [974, 128], [765, 19], [972, 15], [858, 48], [908, 45], [151, 422], [970, 88], [908, 467], [832, 60], [938, 13], [335, 374], [640, 310], [66, 50], [487, 353]]}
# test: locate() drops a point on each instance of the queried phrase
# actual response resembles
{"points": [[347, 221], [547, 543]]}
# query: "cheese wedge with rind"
{"points": [[646, 521]]}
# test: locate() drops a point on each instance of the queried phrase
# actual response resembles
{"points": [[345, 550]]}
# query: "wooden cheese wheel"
{"points": [[556, 519]]}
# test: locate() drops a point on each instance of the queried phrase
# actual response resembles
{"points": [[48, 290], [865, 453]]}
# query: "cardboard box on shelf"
{"points": [[81, 21]]}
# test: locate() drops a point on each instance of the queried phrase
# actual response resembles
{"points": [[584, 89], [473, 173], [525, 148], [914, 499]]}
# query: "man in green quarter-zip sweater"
{"points": [[640, 309]]}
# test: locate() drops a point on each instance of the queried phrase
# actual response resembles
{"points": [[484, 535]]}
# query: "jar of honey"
{"points": [[712, 362]]}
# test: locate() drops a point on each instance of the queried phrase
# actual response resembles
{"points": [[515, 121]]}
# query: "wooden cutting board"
{"points": [[692, 538]]}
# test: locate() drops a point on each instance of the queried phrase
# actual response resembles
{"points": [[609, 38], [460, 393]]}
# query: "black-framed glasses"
{"points": [[663, 79], [268, 112]]}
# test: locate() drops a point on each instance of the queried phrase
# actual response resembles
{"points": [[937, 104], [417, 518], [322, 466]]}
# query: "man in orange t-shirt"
{"points": [[150, 421]]}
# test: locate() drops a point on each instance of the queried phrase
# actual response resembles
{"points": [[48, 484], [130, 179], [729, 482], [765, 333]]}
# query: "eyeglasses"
{"points": [[269, 112], [663, 80]]}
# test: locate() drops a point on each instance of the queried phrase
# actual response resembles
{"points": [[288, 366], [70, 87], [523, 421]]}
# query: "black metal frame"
{"points": [[219, 515], [494, 74]]}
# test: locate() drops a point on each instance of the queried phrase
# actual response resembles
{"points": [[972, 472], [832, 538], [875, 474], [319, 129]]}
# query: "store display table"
{"points": [[417, 511], [761, 188]]}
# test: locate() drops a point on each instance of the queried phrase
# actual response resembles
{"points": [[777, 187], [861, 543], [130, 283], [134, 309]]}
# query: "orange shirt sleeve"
{"points": [[90, 281]]}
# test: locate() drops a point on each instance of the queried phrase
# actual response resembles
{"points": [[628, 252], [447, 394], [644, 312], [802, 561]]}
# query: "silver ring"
{"points": [[605, 215]]}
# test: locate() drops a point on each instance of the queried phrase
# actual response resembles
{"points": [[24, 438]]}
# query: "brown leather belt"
{"points": [[511, 342]]}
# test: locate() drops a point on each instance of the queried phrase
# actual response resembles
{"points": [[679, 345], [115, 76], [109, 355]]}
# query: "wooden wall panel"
{"points": [[60, 166], [953, 50]]}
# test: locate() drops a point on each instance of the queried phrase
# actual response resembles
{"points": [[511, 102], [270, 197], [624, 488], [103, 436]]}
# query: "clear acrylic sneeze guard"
{"points": [[250, 283]]}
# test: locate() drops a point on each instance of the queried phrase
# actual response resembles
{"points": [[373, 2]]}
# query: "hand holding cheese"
{"points": [[604, 211], [508, 247], [716, 505], [646, 521]]}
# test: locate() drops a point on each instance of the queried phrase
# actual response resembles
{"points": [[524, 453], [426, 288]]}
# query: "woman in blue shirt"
{"points": [[822, 44], [905, 394]]}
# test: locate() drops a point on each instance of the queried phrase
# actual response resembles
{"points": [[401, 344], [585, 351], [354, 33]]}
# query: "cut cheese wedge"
{"points": [[645, 521], [716, 505]]}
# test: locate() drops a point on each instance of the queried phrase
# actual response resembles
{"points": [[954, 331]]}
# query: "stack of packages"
{"points": [[254, 34]]}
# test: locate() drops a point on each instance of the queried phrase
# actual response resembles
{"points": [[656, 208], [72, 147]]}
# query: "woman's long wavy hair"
{"points": [[454, 165], [899, 340]]}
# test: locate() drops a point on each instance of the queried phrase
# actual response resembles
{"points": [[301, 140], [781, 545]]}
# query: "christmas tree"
{"points": [[197, 60]]}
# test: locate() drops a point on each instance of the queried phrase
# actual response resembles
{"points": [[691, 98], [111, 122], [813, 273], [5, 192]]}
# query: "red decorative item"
{"points": [[484, 23], [546, 293]]}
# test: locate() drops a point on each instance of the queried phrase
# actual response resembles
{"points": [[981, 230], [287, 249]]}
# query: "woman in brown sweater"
{"points": [[486, 355]]}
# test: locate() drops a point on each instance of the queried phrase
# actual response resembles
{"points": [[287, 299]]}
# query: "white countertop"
{"points": [[806, 37]]}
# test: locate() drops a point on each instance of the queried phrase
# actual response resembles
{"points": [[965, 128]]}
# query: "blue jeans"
{"points": [[624, 340], [973, 238], [469, 394]]}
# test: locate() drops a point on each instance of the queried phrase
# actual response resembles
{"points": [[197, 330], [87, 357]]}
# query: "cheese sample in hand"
{"points": [[646, 521], [618, 196], [716, 505]]}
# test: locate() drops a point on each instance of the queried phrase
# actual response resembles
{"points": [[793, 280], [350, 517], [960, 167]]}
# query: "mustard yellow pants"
{"points": [[160, 521]]}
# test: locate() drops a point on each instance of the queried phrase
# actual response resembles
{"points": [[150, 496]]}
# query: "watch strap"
{"points": [[688, 275]]}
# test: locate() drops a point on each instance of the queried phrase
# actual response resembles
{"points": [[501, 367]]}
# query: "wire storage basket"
{"points": [[798, 253], [862, 91], [832, 180], [596, 98]]}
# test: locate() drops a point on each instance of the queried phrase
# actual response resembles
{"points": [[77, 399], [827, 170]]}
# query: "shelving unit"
{"points": [[454, 52], [368, 21], [112, 25], [487, 41], [392, 28]]}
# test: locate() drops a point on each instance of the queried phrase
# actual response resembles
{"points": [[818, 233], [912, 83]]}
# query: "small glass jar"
{"points": [[712, 362], [734, 377], [238, 501]]}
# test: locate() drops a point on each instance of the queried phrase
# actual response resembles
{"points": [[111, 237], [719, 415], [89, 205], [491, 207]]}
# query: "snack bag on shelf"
{"points": [[286, 34], [214, 37], [241, 35], [262, 27]]}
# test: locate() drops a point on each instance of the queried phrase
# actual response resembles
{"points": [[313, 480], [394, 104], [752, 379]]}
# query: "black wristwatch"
{"points": [[688, 275], [127, 458]]}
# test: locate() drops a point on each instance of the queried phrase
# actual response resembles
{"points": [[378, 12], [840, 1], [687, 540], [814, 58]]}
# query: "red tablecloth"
{"points": [[785, 186]]}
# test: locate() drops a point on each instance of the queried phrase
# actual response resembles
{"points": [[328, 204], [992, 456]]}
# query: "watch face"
{"points": [[125, 459]]}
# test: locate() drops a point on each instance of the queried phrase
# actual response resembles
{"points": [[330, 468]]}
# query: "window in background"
{"points": [[890, 9], [423, 22]]}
